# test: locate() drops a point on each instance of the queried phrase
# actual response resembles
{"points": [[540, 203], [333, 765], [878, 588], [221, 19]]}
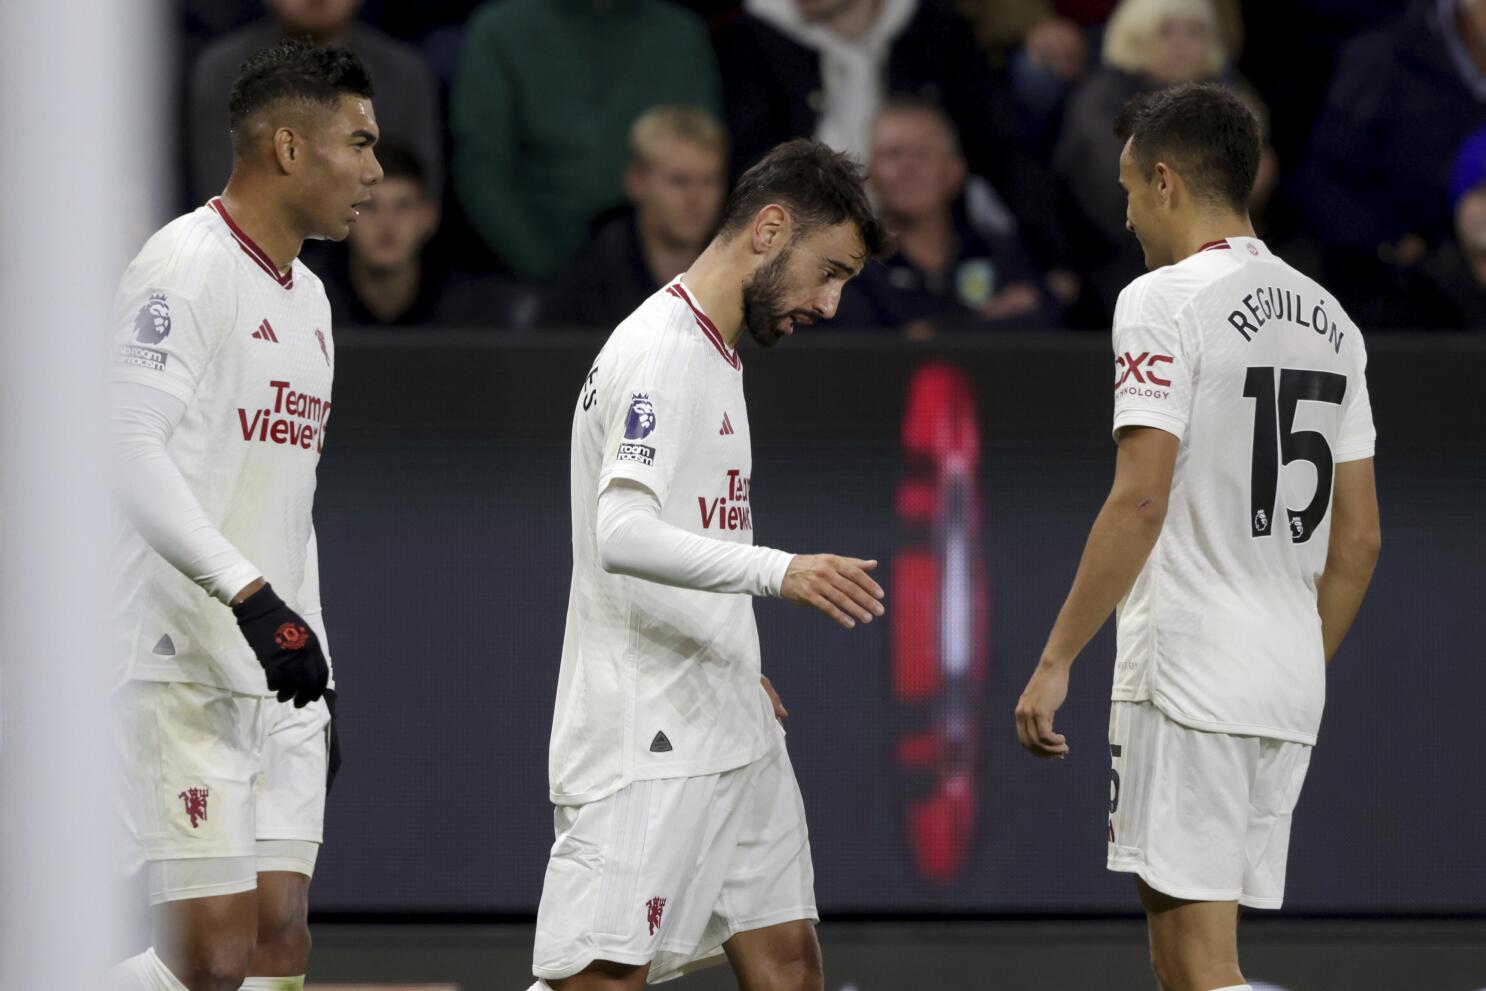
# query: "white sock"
{"points": [[274, 984], [1235, 987], [146, 972]]}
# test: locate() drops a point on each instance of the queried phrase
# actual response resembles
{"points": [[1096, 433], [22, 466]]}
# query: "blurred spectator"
{"points": [[1044, 46], [1447, 290], [944, 275], [1377, 177], [382, 276], [821, 68], [676, 181], [541, 107], [407, 102], [1148, 44]]}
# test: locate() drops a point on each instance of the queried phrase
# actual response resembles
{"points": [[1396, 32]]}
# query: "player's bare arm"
{"points": [[1119, 543], [840, 587], [1351, 555]]}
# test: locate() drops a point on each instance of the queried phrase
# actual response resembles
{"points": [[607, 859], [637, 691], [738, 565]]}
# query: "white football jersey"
{"points": [[1260, 373], [203, 315], [658, 681]]}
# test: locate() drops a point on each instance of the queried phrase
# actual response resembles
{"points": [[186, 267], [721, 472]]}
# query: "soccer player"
{"points": [[222, 392], [1237, 541], [680, 829]]}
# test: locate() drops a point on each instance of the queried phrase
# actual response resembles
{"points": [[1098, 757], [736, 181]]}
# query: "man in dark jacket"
{"points": [[1403, 100], [821, 68], [1447, 290]]}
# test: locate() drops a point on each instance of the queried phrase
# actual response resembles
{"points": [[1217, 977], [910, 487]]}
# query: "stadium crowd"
{"points": [[552, 162]]}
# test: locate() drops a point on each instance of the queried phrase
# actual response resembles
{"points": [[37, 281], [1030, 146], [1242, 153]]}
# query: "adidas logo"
{"points": [[265, 333], [166, 647], [660, 745], [727, 426]]}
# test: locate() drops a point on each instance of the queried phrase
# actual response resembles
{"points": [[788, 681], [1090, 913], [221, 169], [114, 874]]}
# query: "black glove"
{"points": [[285, 645], [335, 742]]}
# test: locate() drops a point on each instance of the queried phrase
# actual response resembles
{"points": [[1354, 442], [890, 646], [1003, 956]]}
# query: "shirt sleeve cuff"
{"points": [[773, 569], [1358, 453], [1148, 418], [153, 380], [232, 581], [639, 474]]}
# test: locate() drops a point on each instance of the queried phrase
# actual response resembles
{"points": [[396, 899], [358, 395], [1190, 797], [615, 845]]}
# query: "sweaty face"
{"points": [[341, 167], [1140, 210], [679, 191], [393, 226], [802, 283], [1182, 51], [914, 169]]}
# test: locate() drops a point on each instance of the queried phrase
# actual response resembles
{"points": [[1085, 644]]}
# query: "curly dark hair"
{"points": [[1204, 131], [294, 70], [820, 187]]}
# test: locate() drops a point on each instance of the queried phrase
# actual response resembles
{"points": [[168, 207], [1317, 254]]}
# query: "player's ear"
{"points": [[771, 229], [288, 150], [1163, 178]]}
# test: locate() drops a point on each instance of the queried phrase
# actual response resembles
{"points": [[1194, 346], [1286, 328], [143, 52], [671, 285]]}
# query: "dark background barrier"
{"points": [[443, 522]]}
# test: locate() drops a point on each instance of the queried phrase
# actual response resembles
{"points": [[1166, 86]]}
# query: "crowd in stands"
{"points": [[550, 163]]}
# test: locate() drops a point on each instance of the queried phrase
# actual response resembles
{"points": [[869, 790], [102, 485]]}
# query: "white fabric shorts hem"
{"points": [[185, 894], [292, 856], [1129, 865]]}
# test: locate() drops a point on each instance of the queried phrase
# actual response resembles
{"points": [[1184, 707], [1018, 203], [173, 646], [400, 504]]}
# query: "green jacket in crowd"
{"points": [[541, 110]]}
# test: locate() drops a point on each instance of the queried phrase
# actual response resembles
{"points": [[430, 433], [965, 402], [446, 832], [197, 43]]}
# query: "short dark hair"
{"points": [[400, 161], [294, 70], [820, 187], [1204, 131]]}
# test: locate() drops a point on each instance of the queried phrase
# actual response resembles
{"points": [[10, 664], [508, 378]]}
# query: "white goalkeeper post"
{"points": [[83, 164]]}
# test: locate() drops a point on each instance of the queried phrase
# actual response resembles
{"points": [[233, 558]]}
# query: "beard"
{"points": [[763, 302]]}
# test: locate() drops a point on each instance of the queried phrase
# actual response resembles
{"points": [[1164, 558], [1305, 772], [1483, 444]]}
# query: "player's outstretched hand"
{"points": [[838, 586], [286, 647], [1042, 697]]}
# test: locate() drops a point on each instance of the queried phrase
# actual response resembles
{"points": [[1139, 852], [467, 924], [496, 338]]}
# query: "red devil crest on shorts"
{"points": [[291, 636], [653, 909], [195, 799]]}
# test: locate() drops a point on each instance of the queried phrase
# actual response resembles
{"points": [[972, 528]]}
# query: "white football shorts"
{"points": [[666, 871], [219, 786], [1197, 815]]}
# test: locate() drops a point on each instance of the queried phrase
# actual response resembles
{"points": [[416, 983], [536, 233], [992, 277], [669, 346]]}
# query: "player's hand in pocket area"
{"points": [[1040, 700], [840, 587], [780, 712]]}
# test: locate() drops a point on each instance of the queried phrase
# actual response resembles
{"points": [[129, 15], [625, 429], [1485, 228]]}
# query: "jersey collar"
{"points": [[708, 328], [1253, 245], [250, 247]]}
